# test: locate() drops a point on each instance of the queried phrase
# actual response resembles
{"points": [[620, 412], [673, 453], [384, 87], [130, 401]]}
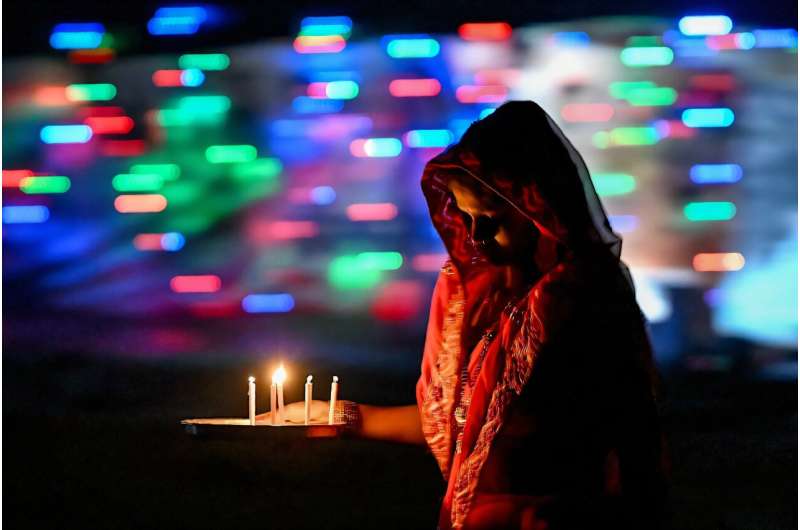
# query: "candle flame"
{"points": [[251, 379], [309, 378], [335, 379], [279, 376]]}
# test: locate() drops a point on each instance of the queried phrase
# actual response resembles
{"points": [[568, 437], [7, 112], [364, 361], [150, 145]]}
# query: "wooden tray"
{"points": [[232, 428]]}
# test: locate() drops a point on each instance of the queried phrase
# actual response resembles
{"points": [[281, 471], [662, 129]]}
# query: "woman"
{"points": [[536, 395]]}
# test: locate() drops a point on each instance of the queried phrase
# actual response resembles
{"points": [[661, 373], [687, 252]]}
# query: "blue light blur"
{"points": [[25, 214], [268, 303], [715, 173]]}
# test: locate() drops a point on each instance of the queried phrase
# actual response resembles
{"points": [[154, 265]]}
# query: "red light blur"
{"points": [[144, 203], [167, 78], [122, 147], [481, 93], [380, 211], [97, 56], [409, 88], [487, 31], [12, 177], [109, 124], [200, 283]]}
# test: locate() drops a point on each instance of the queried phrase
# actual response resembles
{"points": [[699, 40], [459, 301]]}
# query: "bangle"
{"points": [[347, 412]]}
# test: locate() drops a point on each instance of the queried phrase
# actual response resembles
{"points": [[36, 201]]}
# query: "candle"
{"points": [[277, 380], [334, 395], [309, 392], [251, 393], [273, 403]]}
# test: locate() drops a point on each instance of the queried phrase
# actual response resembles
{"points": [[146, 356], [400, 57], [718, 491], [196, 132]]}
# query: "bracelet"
{"points": [[347, 412]]}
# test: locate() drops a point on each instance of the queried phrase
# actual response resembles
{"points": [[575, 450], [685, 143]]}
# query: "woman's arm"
{"points": [[394, 424]]}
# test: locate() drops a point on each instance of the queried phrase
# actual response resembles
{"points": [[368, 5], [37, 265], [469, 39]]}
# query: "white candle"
{"points": [[309, 392], [334, 395], [277, 379], [251, 393], [273, 403]]}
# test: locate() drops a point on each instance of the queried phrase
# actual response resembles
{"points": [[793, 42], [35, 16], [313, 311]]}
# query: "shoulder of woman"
{"points": [[558, 296]]}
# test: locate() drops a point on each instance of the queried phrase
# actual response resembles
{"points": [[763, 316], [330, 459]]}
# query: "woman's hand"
{"points": [[295, 412]]}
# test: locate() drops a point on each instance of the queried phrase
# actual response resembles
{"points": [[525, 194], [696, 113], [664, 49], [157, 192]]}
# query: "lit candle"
{"points": [[277, 379], [309, 392], [251, 393], [334, 395]]}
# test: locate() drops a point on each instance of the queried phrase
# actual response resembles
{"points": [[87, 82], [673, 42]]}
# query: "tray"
{"points": [[234, 428]]}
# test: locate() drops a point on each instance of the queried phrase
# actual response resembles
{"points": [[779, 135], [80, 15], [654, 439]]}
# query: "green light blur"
{"points": [[610, 184], [204, 61], [341, 90], [622, 89], [709, 211], [350, 272], [45, 185], [228, 154], [652, 96], [182, 193], [260, 168], [385, 261], [634, 136], [91, 92], [644, 40], [166, 171], [212, 104], [321, 30], [640, 57], [600, 139], [137, 182]]}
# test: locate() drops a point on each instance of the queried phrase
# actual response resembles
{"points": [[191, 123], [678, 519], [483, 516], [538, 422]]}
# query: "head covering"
{"points": [[520, 154]]}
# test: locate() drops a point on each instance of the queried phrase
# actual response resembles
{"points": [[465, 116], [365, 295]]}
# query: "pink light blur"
{"points": [[407, 88], [587, 112], [380, 211], [481, 93], [429, 262], [199, 283], [145, 203], [109, 124]]}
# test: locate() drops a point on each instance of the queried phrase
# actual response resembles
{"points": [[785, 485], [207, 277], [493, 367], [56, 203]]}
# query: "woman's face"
{"points": [[499, 232]]}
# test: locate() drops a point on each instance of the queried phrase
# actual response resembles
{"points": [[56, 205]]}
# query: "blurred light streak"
{"points": [[718, 262], [333, 90], [66, 134], [96, 56], [122, 147], [673, 129], [775, 38], [376, 147], [204, 61], [733, 41], [587, 112], [497, 76], [712, 117], [166, 171], [109, 124], [228, 154], [85, 35], [715, 173], [128, 182], [626, 136], [268, 303], [623, 89], [147, 203], [417, 46], [199, 283], [170, 242], [705, 25], [348, 272], [485, 31], [265, 231], [717, 82], [429, 262], [319, 44], [25, 214], [408, 88], [382, 211], [481, 93], [611, 184], [709, 211], [102, 111], [428, 138], [323, 195], [623, 223], [91, 92], [44, 185], [384, 261], [13, 177], [260, 168], [641, 57], [313, 105], [51, 96], [652, 96], [570, 38], [177, 20]]}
